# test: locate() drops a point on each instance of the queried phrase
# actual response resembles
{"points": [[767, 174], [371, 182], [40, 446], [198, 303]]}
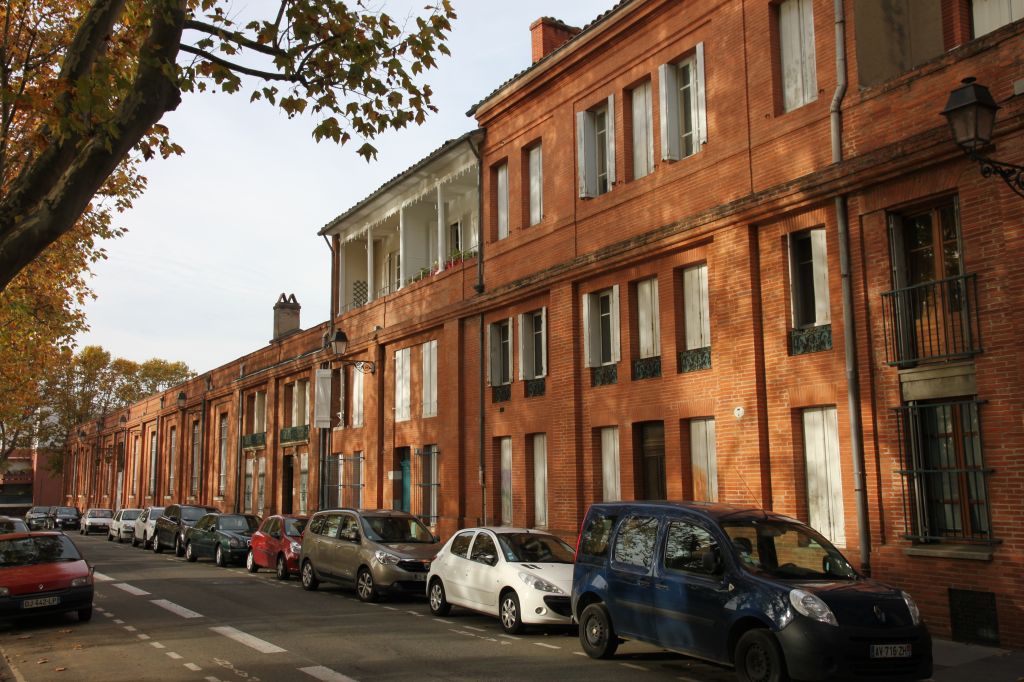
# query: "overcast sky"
{"points": [[225, 229]]}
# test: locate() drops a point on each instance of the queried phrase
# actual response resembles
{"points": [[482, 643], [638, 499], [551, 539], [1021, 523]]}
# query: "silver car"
{"points": [[123, 526], [377, 551]]}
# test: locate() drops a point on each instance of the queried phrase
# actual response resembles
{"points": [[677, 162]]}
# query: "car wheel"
{"points": [[250, 563], [155, 542], [110, 538], [85, 615], [219, 558], [509, 613], [758, 658], [282, 568], [365, 589], [597, 637], [439, 605], [309, 579], [190, 554], [179, 549]]}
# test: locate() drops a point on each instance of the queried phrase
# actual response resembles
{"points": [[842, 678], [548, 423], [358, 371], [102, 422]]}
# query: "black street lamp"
{"points": [[971, 113], [339, 344]]}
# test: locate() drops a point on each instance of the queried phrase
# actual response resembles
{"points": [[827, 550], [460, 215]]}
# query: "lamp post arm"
{"points": [[1011, 174]]}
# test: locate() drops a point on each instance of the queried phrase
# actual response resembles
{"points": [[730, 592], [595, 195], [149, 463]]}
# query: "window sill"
{"points": [[969, 552]]}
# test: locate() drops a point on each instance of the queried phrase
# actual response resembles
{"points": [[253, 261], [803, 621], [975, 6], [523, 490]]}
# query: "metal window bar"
{"points": [[945, 480], [932, 322]]}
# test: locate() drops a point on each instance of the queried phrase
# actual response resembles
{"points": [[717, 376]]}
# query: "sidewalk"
{"points": [[955, 662]]}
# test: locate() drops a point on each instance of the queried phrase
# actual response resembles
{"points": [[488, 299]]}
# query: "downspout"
{"points": [[239, 453], [849, 330], [202, 448], [321, 456], [479, 288]]}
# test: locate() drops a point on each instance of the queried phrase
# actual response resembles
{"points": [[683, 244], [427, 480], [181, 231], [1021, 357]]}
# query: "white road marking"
{"points": [[130, 628], [546, 646], [579, 653], [173, 654], [142, 636], [157, 645], [510, 637], [319, 672], [130, 589], [108, 614], [119, 621], [470, 627], [100, 609], [211, 678], [390, 608], [634, 667], [175, 609], [415, 613], [103, 578], [446, 622], [193, 667], [260, 645]]}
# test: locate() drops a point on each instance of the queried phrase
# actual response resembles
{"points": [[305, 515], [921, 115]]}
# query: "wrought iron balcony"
{"points": [[254, 441], [695, 360], [604, 375], [810, 339], [932, 322], [534, 388], [501, 394], [295, 434], [647, 368]]}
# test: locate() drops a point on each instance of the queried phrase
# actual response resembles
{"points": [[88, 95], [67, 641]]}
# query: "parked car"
{"points": [[9, 524], [42, 573], [375, 550], [39, 518], [122, 527], [67, 518], [743, 587], [172, 524], [96, 519], [522, 576], [224, 537], [277, 544], [145, 526]]}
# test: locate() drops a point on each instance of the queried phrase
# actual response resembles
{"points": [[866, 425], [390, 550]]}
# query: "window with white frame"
{"points": [[533, 345], [428, 351], [247, 494], [222, 452], [535, 183], [500, 364], [300, 402], [683, 106], [505, 469], [194, 484], [430, 485], [648, 318], [796, 53], [696, 307], [643, 129], [259, 418], [455, 238], [704, 459], [824, 473], [261, 485], [601, 327], [403, 386], [357, 398], [303, 482], [540, 480], [137, 465], [808, 276], [172, 438], [501, 195], [152, 463], [988, 15], [610, 464], [595, 140]]}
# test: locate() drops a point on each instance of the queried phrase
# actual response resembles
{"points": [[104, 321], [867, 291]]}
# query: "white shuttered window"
{"points": [[540, 480], [429, 353], [601, 327], [357, 398], [824, 477], [796, 43], [500, 365], [696, 307], [643, 130], [683, 106], [808, 275], [704, 460], [402, 385], [506, 481], [535, 169], [501, 188], [610, 463], [988, 15], [648, 317], [595, 142], [533, 345]]}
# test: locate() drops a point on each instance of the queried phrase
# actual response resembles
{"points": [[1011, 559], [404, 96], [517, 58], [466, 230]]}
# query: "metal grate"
{"points": [[647, 368], [932, 322], [501, 394], [810, 339], [605, 375], [972, 617], [534, 388], [694, 360]]}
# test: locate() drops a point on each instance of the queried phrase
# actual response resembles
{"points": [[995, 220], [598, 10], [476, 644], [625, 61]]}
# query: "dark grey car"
{"points": [[173, 522], [375, 550]]}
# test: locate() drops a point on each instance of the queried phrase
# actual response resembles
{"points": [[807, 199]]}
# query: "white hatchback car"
{"points": [[96, 519], [522, 576], [145, 526], [123, 526]]}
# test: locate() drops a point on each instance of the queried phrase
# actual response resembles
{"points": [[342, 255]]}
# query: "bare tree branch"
{"points": [[234, 37]]}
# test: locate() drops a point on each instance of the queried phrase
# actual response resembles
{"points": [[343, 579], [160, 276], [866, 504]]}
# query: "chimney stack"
{"points": [[549, 34], [286, 316]]}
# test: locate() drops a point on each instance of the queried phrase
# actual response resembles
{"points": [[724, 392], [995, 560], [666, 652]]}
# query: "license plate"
{"points": [[41, 601], [419, 577], [890, 651]]}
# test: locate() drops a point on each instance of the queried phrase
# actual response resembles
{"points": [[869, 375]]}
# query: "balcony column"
{"points": [[371, 285], [442, 234], [401, 248], [343, 293]]}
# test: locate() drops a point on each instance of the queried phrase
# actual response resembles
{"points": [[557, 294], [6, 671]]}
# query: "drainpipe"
{"points": [[479, 288], [202, 450], [238, 452], [849, 330]]}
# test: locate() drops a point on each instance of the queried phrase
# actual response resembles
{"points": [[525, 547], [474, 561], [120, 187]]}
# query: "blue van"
{"points": [[743, 587]]}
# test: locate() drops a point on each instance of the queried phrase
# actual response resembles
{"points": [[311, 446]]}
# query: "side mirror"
{"points": [[488, 559]]}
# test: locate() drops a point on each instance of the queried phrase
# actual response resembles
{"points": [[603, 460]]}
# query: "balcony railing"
{"points": [[295, 434], [533, 388], [810, 339], [647, 368], [501, 393], [694, 360], [254, 441], [932, 322], [604, 375]]}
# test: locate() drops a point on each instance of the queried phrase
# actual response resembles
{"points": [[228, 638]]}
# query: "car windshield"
{"points": [[294, 527], [101, 513], [193, 513], [535, 548], [67, 511], [37, 549], [787, 550], [239, 523], [129, 514], [395, 529], [39, 510]]}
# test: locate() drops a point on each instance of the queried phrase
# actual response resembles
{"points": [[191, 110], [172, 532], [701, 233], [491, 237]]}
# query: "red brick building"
{"points": [[709, 250]]}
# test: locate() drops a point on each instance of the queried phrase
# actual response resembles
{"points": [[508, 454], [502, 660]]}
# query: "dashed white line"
{"points": [[256, 643], [101, 577], [446, 622], [415, 613], [390, 608], [175, 609], [211, 678], [634, 667], [157, 645], [119, 621], [579, 653], [319, 672], [193, 667], [510, 637], [130, 628], [546, 646], [470, 627], [108, 614], [142, 636], [131, 589], [173, 654]]}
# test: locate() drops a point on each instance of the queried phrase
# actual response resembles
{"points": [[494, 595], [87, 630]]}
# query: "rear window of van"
{"points": [[597, 533]]}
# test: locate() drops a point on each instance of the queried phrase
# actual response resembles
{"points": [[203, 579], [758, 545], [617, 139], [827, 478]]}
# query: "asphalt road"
{"points": [[160, 618]]}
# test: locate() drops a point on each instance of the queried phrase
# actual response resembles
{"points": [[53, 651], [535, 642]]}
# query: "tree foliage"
{"points": [[84, 85]]}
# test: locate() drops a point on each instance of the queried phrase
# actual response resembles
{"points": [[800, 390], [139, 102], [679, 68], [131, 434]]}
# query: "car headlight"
{"points": [[915, 613], [539, 583], [812, 606], [82, 582], [235, 542], [296, 547], [5, 592], [385, 558]]}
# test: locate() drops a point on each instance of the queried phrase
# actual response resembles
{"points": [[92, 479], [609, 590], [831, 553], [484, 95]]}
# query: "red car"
{"points": [[277, 544], [43, 573]]}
